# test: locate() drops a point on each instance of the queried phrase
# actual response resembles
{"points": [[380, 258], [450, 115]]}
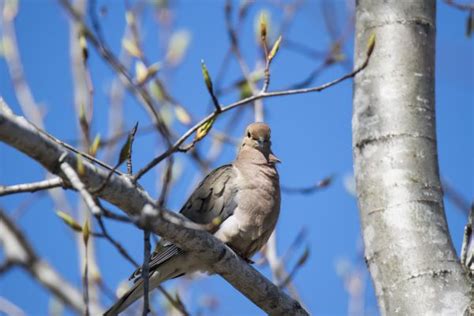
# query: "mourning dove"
{"points": [[245, 195]]}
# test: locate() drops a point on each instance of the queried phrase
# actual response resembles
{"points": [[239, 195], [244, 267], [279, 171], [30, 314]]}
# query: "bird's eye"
{"points": [[248, 134]]}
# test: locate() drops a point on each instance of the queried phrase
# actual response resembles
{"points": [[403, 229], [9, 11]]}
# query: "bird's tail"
{"points": [[127, 299], [166, 272]]}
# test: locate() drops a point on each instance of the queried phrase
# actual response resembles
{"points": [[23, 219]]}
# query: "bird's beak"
{"points": [[273, 158], [261, 142]]}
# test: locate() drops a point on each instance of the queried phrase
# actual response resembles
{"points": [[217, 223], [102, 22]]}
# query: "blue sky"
{"points": [[311, 135]]}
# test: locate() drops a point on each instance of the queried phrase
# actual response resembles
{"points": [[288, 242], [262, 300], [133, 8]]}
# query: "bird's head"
{"points": [[257, 137]]}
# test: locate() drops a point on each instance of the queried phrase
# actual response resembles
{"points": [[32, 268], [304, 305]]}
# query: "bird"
{"points": [[244, 195]]}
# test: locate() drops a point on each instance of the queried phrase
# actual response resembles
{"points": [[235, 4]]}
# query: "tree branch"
{"points": [[261, 95], [140, 92], [32, 187], [22, 135], [18, 250]]}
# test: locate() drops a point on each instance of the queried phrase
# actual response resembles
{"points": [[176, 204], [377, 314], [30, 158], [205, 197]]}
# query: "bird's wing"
{"points": [[213, 198]]}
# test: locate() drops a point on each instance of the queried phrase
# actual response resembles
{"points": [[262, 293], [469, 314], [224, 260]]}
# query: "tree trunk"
{"points": [[408, 248]]}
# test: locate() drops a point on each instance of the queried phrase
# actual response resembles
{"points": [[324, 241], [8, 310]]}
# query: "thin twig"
{"points": [[115, 243], [95, 20], [243, 66], [146, 271], [456, 198], [215, 101], [242, 102], [114, 216], [21, 252], [76, 151], [277, 266], [9, 308], [176, 303], [26, 203], [77, 184], [125, 155], [301, 261], [321, 184], [168, 176], [113, 61], [85, 280], [13, 60], [227, 57], [303, 49], [32, 187], [312, 75], [460, 6]]}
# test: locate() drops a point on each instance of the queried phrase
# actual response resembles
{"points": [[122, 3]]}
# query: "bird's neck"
{"points": [[254, 163], [248, 155]]}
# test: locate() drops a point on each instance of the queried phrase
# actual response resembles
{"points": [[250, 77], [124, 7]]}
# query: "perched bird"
{"points": [[245, 195]]}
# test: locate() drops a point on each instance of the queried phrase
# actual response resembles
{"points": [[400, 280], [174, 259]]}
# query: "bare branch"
{"points": [[115, 243], [455, 197], [209, 85], [321, 184], [146, 271], [13, 60], [77, 184], [109, 57], [277, 266], [460, 6], [85, 277], [32, 187], [8, 308], [234, 42], [168, 175], [242, 102], [109, 214], [17, 249], [301, 261]]}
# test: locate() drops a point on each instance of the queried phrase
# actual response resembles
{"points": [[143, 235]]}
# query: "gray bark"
{"points": [[408, 248]]}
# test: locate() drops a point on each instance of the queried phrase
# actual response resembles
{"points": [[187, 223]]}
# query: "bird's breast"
{"points": [[258, 207]]}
